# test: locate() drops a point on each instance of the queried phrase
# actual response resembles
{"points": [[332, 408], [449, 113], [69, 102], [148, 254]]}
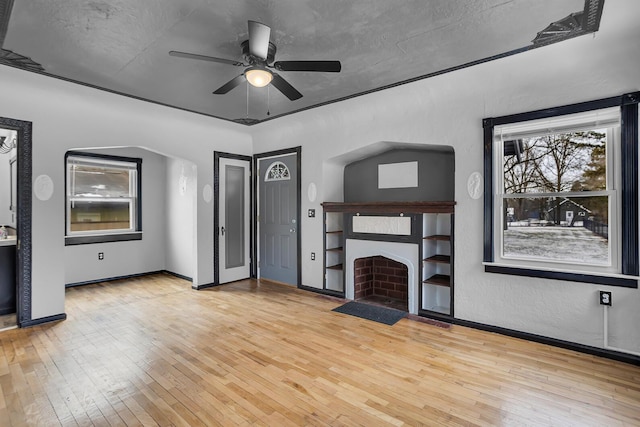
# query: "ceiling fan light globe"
{"points": [[258, 77]]}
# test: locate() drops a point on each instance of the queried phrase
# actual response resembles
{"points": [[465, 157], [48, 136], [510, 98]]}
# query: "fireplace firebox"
{"points": [[381, 281]]}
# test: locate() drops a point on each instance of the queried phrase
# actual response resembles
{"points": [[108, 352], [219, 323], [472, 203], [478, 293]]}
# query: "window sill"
{"points": [[571, 276], [102, 238]]}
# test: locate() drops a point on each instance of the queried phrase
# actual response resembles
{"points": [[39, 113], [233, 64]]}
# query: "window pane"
{"points": [[556, 163], [100, 215], [99, 181], [565, 229]]}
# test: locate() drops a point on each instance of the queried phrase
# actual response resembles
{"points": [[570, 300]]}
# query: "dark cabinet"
{"points": [[7, 279]]}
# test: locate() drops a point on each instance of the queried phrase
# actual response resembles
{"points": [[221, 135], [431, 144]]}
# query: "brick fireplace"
{"points": [[400, 258], [381, 281]]}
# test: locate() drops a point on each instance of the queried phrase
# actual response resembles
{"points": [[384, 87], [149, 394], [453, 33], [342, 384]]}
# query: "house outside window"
{"points": [[560, 199], [102, 198]]}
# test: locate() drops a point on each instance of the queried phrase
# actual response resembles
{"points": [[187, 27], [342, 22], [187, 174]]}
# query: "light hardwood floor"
{"points": [[151, 351]]}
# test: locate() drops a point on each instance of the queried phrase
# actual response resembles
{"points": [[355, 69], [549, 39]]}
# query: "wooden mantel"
{"points": [[390, 207]]}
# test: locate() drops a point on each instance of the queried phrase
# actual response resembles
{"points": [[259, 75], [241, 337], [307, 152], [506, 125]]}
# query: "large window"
{"points": [[561, 197], [102, 198]]}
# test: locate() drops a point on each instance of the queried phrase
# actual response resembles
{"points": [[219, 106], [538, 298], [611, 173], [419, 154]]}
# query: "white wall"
{"points": [[448, 110], [133, 257], [180, 208], [66, 116]]}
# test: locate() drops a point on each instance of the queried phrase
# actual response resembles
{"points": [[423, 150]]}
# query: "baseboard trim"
{"points": [[128, 276], [179, 276], [111, 279], [582, 348], [42, 320], [205, 286], [322, 291]]}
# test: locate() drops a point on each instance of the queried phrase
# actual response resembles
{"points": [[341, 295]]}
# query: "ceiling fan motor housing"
{"points": [[252, 60]]}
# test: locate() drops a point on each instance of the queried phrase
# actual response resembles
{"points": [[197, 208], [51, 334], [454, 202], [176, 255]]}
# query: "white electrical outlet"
{"points": [[605, 298]]}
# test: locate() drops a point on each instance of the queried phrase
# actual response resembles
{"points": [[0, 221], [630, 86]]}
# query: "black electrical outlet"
{"points": [[313, 256], [312, 213], [605, 298], [101, 255]]}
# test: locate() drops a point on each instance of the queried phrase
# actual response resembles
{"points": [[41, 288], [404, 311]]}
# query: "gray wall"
{"points": [[435, 177]]}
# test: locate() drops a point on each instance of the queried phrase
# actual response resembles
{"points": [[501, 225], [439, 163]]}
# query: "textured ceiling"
{"points": [[123, 45]]}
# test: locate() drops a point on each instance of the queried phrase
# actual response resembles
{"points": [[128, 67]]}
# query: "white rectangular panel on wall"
{"points": [[398, 175], [395, 225]]}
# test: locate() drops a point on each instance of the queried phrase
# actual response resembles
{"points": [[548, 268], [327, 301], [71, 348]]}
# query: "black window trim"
{"points": [[628, 104], [111, 237]]}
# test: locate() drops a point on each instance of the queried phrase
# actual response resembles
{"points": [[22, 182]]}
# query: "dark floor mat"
{"points": [[388, 316]]}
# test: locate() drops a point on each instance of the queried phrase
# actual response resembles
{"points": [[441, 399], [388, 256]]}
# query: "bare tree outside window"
{"points": [[554, 206]]}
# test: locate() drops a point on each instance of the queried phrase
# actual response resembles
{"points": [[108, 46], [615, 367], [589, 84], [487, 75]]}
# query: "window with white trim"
{"points": [[102, 198], [560, 201]]}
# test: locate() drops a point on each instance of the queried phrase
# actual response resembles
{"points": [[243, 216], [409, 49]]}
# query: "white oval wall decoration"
{"points": [[43, 187], [207, 193], [312, 192], [474, 185]]}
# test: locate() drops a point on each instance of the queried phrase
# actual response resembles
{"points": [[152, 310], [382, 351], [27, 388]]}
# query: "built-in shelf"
{"points": [[436, 292], [439, 279], [333, 253], [445, 259]]}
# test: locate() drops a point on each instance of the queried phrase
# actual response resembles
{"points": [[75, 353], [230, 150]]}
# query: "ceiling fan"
{"points": [[259, 54]]}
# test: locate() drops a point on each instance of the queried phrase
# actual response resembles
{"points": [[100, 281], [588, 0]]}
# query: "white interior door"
{"points": [[234, 216]]}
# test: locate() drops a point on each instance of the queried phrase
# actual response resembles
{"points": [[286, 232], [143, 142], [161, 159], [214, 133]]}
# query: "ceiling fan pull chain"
{"points": [[268, 99], [247, 100]]}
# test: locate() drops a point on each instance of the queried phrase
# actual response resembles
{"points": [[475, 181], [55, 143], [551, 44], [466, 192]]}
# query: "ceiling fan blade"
{"points": [[206, 58], [324, 66], [259, 39], [230, 85], [283, 86]]}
